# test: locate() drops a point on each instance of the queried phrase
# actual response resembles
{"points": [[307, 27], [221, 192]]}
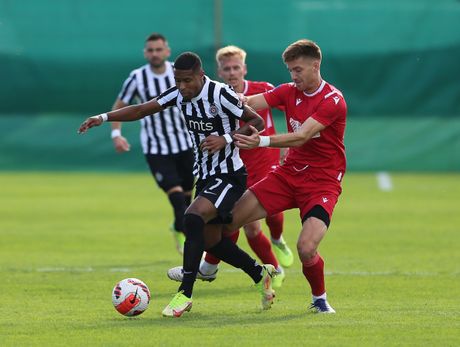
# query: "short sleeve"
{"points": [[168, 98], [276, 97], [231, 102], [330, 109], [129, 89]]}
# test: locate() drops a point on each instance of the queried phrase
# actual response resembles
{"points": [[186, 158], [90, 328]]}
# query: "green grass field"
{"points": [[392, 262]]}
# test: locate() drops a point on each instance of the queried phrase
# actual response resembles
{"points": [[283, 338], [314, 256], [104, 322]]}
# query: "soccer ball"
{"points": [[131, 297]]}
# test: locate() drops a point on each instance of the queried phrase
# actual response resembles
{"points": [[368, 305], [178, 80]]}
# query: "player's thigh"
{"points": [[164, 171], [274, 193], [212, 235], [222, 192], [246, 210]]}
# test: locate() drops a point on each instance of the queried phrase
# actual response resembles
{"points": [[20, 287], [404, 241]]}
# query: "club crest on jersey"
{"points": [[213, 110]]}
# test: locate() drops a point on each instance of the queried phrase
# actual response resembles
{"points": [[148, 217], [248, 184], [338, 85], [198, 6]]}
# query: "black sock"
{"points": [[178, 204], [193, 250], [229, 252], [187, 200]]}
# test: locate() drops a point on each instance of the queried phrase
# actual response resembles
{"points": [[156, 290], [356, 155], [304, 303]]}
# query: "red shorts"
{"points": [[287, 187], [256, 175]]}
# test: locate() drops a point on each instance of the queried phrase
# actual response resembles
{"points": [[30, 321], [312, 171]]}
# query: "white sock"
{"points": [[323, 296], [280, 240], [207, 268]]}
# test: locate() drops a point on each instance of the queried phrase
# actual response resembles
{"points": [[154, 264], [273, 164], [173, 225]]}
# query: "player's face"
{"points": [[189, 83], [156, 52], [304, 72], [232, 70]]}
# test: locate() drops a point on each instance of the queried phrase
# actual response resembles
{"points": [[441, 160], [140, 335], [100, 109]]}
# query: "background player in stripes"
{"points": [[166, 144], [310, 178], [212, 111]]}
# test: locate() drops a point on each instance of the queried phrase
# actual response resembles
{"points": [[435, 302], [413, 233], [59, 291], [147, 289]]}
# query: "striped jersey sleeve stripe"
{"points": [[231, 103], [128, 91]]}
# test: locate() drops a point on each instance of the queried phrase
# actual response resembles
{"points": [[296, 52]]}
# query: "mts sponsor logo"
{"points": [[200, 125]]}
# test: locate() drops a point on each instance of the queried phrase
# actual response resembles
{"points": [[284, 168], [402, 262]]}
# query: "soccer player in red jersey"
{"points": [[311, 176], [259, 162]]}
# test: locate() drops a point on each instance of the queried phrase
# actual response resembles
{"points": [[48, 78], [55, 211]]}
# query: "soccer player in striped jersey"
{"points": [[232, 69], [212, 111], [310, 178], [165, 139]]}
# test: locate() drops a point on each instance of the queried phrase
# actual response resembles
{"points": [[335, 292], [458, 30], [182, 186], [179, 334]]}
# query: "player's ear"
{"points": [[245, 69], [316, 65]]}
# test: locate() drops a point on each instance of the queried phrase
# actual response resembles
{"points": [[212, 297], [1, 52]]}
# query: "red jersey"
{"points": [[325, 150], [260, 159]]}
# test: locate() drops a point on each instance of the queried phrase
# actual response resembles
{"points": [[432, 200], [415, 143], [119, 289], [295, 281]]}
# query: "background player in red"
{"points": [[232, 69], [311, 176]]}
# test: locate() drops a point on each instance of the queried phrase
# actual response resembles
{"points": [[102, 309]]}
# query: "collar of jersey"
{"points": [[168, 67], [320, 88], [203, 90]]}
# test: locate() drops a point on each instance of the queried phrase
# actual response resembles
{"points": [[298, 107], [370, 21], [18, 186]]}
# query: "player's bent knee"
{"points": [[251, 230], [306, 250]]}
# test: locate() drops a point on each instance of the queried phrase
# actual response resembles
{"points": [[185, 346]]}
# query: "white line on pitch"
{"points": [[384, 181]]}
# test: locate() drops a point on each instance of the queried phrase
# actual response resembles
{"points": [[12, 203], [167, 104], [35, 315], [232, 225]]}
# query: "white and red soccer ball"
{"points": [[131, 297]]}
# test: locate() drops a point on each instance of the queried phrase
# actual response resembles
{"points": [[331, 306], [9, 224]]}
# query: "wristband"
{"points": [[115, 133], [104, 117], [228, 138], [264, 141]]}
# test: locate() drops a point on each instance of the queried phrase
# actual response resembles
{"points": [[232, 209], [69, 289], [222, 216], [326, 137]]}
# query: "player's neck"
{"points": [[314, 85], [158, 69], [240, 87]]}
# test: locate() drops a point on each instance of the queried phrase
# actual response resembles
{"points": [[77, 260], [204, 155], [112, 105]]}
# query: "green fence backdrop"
{"points": [[397, 62]]}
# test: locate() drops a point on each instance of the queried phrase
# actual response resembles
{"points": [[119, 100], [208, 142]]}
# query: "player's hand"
{"points": [[243, 98], [213, 143], [121, 144], [93, 121], [247, 141]]}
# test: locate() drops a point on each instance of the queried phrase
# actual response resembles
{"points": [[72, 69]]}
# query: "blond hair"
{"points": [[230, 51], [302, 48]]}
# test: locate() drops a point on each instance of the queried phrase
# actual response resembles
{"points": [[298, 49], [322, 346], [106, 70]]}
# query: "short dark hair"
{"points": [[155, 37], [302, 48], [188, 61]]}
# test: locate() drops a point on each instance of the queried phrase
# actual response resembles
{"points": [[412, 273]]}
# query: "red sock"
{"points": [[209, 258], [275, 224], [313, 270], [263, 248]]}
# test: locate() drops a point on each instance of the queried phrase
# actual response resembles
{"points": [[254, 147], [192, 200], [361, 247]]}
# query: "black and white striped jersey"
{"points": [[165, 133], [215, 111]]}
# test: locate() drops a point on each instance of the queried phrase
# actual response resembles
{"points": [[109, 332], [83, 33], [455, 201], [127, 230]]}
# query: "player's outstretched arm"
{"points": [[125, 114], [308, 129], [257, 102]]}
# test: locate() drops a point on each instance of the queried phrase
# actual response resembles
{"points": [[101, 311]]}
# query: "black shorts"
{"points": [[172, 170], [223, 191]]}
